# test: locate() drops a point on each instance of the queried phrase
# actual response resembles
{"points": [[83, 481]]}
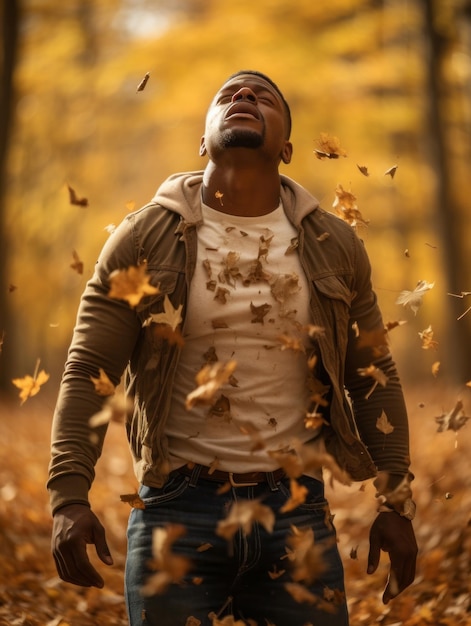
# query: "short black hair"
{"points": [[274, 85]]}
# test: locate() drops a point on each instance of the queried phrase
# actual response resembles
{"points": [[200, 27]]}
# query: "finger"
{"points": [[102, 548], [373, 554], [76, 568]]}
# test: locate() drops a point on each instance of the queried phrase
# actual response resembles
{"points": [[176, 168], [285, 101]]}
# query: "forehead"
{"points": [[256, 83]]}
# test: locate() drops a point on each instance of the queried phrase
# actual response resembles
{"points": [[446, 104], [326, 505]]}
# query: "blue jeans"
{"points": [[232, 577]]}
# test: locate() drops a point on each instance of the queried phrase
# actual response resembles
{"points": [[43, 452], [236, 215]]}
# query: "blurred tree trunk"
{"points": [[10, 19], [448, 214]]}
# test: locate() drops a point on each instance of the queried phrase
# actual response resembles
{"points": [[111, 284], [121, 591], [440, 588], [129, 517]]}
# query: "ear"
{"points": [[287, 152], [202, 147]]}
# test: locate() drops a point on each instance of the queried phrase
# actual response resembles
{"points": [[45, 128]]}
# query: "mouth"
{"points": [[242, 110]]}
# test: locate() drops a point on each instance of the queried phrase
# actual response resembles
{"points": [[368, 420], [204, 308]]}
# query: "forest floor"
{"points": [[31, 594]]}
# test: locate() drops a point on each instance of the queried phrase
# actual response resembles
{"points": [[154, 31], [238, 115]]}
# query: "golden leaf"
{"points": [[134, 500], [376, 373], [115, 409], [30, 385], [131, 284], [143, 83], [243, 514], [391, 171], [435, 368], [329, 147], [346, 207], [453, 420], [209, 380], [170, 567], [428, 343], [297, 497], [74, 199], [363, 169], [103, 385]]}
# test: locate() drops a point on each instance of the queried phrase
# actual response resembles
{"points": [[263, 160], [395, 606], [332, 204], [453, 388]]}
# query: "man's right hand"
{"points": [[75, 526]]}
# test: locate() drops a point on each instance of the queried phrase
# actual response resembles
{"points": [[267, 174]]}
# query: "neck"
{"points": [[246, 192]]}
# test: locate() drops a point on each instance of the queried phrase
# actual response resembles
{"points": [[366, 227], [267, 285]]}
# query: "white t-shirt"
{"points": [[248, 302]]}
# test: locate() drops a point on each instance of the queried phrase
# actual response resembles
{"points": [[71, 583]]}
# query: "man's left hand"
{"points": [[394, 534]]}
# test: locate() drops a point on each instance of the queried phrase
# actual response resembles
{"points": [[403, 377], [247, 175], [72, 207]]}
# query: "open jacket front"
{"points": [[111, 335]]}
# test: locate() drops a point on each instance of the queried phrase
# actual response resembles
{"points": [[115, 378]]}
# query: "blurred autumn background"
{"points": [[391, 79]]}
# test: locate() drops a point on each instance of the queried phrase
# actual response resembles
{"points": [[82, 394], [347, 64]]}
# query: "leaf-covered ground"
{"points": [[32, 595]]}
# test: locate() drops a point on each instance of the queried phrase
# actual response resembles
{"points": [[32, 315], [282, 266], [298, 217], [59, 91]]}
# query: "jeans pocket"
{"points": [[173, 488]]}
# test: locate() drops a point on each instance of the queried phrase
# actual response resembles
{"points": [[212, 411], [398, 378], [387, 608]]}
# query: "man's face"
{"points": [[247, 112]]}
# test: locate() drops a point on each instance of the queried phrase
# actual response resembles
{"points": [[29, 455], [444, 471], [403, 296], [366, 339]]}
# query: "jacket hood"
{"points": [[181, 193]]}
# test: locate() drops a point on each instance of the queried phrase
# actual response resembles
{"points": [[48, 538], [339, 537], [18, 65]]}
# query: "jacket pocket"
{"points": [[333, 288]]}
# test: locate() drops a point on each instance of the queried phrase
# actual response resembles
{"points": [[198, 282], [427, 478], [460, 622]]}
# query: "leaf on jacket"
{"points": [[453, 420], [413, 299], [243, 514], [329, 147], [29, 386], [377, 374], [131, 284], [77, 265], [383, 424], [170, 316], [209, 380], [103, 385]]}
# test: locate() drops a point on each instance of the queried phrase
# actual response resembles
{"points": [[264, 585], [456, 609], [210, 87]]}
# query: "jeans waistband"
{"points": [[235, 479]]}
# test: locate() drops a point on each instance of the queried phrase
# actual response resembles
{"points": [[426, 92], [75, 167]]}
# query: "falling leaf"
{"points": [[305, 554], [77, 265], [209, 380], [391, 171], [377, 374], [115, 409], [219, 196], [131, 284], [323, 237], [30, 385], [204, 547], [103, 385], [290, 342], [346, 207], [284, 286], [391, 325], [276, 573], [170, 316], [297, 497], [242, 515], [428, 343], [453, 420], [74, 199], [436, 368], [329, 147], [134, 500], [314, 420], [363, 169], [143, 83], [354, 553], [170, 567], [413, 299], [248, 428], [384, 425]]}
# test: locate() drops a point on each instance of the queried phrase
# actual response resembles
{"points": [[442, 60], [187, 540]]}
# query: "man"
{"points": [[259, 313]]}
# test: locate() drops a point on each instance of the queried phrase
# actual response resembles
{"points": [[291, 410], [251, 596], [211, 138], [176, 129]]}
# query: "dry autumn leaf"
{"points": [[384, 425], [74, 198], [363, 169], [29, 386], [131, 284], [115, 409], [391, 171], [377, 374], [428, 342], [305, 555], [170, 567], [143, 83], [209, 380], [103, 385], [297, 497], [243, 514], [329, 147], [413, 299], [346, 207], [77, 265], [134, 500], [453, 420], [170, 316]]}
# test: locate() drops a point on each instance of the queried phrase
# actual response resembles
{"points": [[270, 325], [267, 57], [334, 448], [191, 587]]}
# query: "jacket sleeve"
{"points": [[374, 388], [104, 336]]}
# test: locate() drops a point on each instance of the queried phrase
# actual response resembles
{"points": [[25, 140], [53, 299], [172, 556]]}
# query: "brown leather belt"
{"points": [[248, 479]]}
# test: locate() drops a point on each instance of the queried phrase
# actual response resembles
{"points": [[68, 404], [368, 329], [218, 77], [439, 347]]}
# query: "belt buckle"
{"points": [[234, 484]]}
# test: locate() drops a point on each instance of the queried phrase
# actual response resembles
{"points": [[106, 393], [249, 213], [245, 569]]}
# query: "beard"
{"points": [[241, 138]]}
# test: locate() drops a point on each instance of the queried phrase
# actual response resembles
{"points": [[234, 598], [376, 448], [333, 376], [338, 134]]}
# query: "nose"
{"points": [[244, 93]]}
